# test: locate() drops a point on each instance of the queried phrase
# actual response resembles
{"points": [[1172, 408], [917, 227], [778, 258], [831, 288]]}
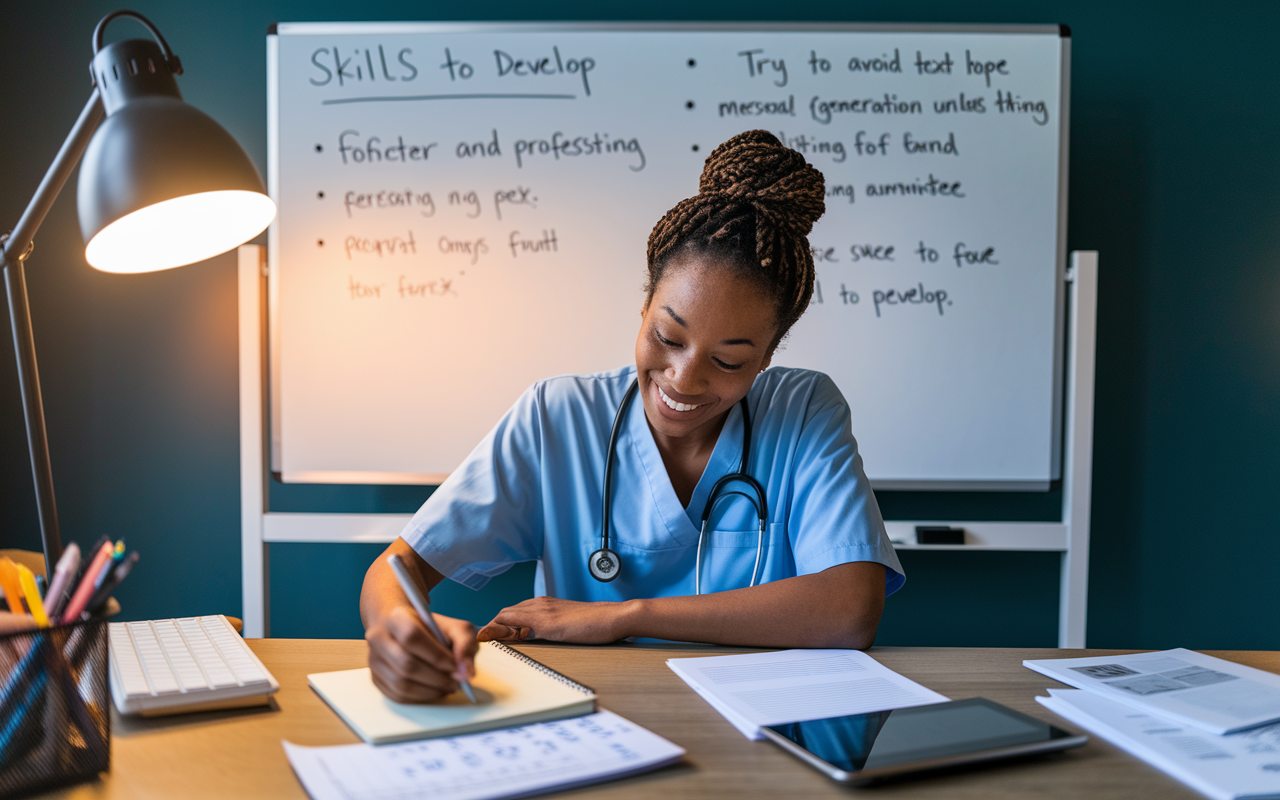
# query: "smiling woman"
{"points": [[805, 563]]}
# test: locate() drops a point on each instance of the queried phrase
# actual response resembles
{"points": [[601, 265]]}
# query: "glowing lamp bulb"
{"points": [[180, 231]]}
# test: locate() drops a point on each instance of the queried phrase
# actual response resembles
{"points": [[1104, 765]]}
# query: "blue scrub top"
{"points": [[531, 491]]}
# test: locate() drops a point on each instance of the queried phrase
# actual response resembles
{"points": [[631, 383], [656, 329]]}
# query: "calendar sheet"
{"points": [[517, 761]]}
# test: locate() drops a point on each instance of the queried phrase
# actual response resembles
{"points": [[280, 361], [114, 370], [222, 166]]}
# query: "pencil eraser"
{"points": [[939, 534]]}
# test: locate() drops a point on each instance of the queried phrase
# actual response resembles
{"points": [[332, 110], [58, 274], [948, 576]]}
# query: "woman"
{"points": [[730, 271]]}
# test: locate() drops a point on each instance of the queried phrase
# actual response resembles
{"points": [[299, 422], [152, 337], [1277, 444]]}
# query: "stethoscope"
{"points": [[604, 564]]}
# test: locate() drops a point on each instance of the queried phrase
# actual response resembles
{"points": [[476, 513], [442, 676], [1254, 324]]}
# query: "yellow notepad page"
{"points": [[512, 689]]}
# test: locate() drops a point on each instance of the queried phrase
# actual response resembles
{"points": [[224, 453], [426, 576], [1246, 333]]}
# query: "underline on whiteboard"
{"points": [[401, 98]]}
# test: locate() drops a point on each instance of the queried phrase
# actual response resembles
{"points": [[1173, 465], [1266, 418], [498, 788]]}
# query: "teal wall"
{"points": [[1174, 178]]}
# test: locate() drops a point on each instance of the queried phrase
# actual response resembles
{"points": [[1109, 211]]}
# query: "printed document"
{"points": [[1218, 696], [758, 689], [1232, 767], [505, 763]]}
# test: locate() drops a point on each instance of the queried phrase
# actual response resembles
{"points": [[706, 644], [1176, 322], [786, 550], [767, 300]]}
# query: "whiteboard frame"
{"points": [[382, 28], [1070, 537], [387, 28]]}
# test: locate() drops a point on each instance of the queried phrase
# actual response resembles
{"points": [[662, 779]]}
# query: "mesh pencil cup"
{"points": [[55, 721]]}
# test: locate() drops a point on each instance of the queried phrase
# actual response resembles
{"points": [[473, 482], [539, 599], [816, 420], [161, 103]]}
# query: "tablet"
{"points": [[862, 748]]}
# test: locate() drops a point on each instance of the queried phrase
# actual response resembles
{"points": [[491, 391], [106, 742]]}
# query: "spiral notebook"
{"points": [[512, 689]]}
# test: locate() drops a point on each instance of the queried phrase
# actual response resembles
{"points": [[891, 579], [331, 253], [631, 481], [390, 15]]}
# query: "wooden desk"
{"points": [[237, 754]]}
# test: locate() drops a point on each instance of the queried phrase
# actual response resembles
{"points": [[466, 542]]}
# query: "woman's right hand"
{"points": [[409, 664]]}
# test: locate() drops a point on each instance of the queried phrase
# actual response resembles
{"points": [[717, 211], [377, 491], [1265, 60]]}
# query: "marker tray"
{"points": [[55, 718]]}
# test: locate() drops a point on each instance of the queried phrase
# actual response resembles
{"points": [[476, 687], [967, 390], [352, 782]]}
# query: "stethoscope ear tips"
{"points": [[604, 564]]}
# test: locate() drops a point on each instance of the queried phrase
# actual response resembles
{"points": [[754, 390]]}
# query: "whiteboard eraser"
{"points": [[939, 534]]}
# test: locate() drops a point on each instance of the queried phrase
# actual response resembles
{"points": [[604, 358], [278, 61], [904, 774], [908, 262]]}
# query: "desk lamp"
{"points": [[162, 185]]}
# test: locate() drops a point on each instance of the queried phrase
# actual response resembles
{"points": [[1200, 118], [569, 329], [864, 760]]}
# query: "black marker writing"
{"points": [[756, 65], [823, 110], [930, 188], [549, 65], [374, 152], [561, 146], [916, 295]]}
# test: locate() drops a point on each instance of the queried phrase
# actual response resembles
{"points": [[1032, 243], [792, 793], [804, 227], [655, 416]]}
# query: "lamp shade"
{"points": [[161, 184]]}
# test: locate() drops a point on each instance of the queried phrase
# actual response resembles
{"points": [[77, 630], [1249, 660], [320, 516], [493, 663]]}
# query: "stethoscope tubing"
{"points": [[608, 463], [697, 569]]}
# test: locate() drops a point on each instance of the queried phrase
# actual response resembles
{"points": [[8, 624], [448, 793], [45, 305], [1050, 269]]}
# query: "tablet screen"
{"points": [[882, 739]]}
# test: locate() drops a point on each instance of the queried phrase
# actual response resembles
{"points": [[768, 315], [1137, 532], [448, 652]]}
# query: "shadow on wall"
{"points": [[303, 608], [1109, 201], [950, 600], [977, 599]]}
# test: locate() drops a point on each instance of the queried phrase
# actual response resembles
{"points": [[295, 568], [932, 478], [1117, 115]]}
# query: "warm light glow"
{"points": [[180, 231]]}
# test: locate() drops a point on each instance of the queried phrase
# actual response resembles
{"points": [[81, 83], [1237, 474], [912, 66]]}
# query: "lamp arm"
{"points": [[13, 254], [15, 248]]}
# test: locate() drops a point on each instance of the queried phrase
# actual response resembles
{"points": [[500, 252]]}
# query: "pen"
{"points": [[119, 571], [420, 604], [32, 594], [93, 576], [63, 575], [12, 587]]}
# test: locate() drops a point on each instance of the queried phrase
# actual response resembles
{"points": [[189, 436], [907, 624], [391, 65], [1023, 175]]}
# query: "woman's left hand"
{"points": [[558, 620]]}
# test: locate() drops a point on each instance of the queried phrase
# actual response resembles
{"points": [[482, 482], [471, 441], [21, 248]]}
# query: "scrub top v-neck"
{"points": [[531, 491]]}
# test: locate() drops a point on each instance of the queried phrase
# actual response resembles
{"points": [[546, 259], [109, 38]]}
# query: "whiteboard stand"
{"points": [[253, 440], [1070, 537]]}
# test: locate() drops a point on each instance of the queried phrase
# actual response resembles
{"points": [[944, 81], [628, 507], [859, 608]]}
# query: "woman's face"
{"points": [[705, 336]]}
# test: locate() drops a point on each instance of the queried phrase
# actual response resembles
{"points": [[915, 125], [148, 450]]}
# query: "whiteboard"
{"points": [[464, 210]]}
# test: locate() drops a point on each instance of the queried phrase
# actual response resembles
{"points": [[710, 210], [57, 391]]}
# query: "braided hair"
{"points": [[757, 201]]}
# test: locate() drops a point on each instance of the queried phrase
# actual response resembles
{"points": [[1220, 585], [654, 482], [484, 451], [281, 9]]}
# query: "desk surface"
{"points": [[237, 754]]}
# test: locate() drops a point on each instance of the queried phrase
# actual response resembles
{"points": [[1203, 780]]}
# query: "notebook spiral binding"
{"points": [[540, 667]]}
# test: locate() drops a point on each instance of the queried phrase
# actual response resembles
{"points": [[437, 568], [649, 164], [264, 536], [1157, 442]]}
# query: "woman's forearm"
{"points": [[381, 591], [839, 607]]}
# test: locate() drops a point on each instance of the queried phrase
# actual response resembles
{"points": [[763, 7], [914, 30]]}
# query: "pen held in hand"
{"points": [[424, 610]]}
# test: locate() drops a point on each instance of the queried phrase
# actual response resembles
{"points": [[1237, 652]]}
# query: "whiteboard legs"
{"points": [[253, 554], [1077, 468]]}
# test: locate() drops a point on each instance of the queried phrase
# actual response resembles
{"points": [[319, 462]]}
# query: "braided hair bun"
{"points": [[757, 202]]}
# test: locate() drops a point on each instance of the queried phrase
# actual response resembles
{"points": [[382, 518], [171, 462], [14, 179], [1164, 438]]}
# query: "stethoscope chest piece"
{"points": [[604, 564]]}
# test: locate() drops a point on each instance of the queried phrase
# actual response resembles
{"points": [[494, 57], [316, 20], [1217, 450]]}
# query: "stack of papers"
{"points": [[1233, 767], [506, 763], [754, 690], [1209, 723], [1209, 693]]}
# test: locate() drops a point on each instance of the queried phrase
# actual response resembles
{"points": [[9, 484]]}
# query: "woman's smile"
{"points": [[673, 405]]}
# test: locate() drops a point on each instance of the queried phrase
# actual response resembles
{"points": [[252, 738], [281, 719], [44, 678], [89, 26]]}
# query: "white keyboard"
{"points": [[167, 666]]}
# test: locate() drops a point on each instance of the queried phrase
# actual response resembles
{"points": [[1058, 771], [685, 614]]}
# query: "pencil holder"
{"points": [[55, 718]]}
